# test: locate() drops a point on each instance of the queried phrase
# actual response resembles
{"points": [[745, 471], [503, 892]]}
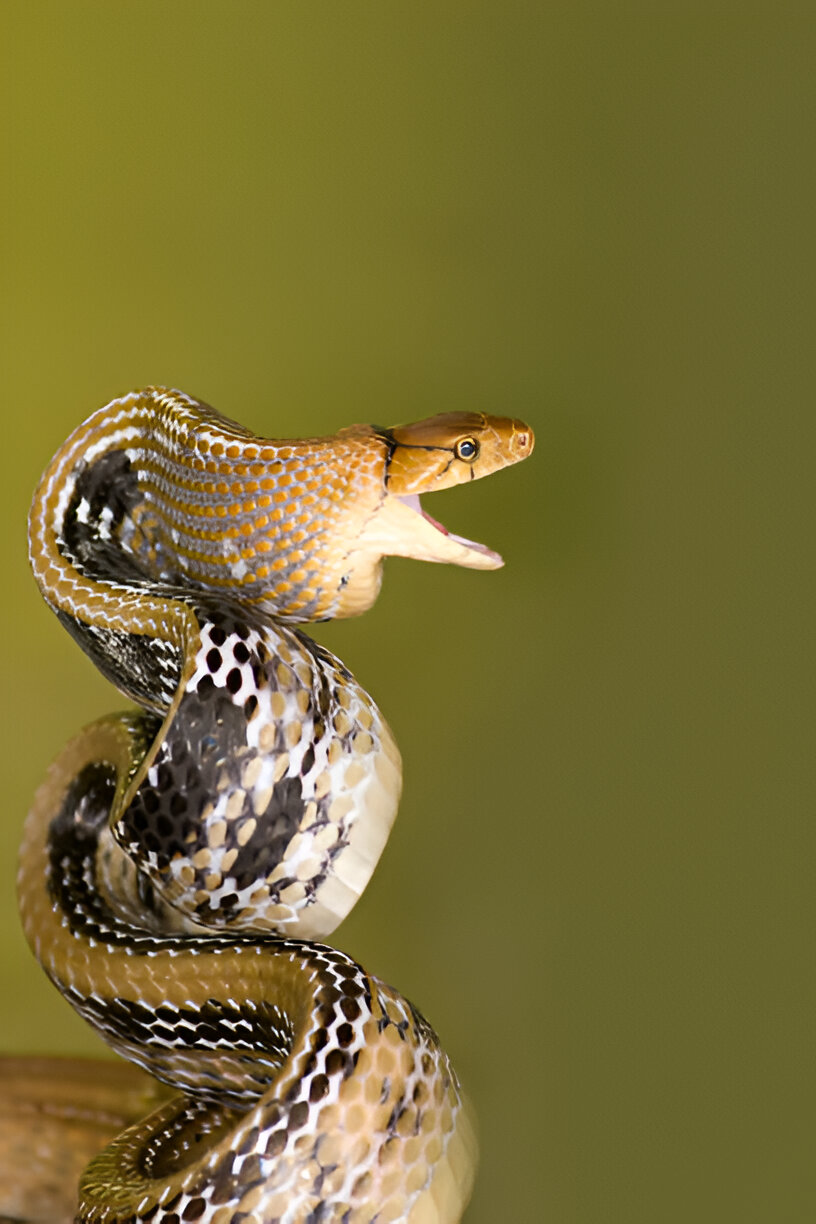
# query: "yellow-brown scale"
{"points": [[176, 547]]}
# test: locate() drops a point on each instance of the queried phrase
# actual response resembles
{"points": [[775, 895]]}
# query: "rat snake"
{"points": [[180, 857]]}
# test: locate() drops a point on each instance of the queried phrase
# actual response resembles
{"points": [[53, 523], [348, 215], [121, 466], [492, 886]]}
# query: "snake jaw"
{"points": [[479, 556], [402, 528]]}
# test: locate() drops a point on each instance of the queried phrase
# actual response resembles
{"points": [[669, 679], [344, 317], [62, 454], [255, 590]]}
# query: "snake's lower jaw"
{"points": [[402, 528]]}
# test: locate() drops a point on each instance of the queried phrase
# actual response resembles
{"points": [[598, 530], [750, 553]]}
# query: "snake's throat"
{"points": [[429, 540]]}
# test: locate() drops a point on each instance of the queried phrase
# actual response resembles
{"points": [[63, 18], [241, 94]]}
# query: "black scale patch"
{"points": [[145, 668], [164, 818], [74, 831], [227, 1039], [106, 492], [204, 755]]}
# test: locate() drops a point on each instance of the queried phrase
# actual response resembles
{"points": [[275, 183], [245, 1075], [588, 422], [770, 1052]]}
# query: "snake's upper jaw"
{"points": [[402, 528]]}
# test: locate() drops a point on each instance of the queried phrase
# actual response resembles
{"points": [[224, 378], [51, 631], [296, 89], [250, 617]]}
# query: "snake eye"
{"points": [[467, 449]]}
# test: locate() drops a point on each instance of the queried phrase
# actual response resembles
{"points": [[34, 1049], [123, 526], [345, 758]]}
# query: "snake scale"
{"points": [[181, 857]]}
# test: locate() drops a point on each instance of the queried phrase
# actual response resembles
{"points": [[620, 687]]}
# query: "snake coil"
{"points": [[180, 857]]}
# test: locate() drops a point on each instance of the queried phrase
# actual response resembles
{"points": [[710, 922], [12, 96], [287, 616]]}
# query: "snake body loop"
{"points": [[179, 857]]}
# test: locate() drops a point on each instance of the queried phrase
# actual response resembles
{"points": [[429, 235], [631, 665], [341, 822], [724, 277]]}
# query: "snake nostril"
{"points": [[523, 441]]}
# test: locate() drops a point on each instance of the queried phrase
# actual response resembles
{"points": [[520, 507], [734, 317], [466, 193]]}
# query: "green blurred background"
{"points": [[598, 217]]}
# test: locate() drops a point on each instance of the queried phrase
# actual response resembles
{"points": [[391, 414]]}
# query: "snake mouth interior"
{"points": [[412, 501]]}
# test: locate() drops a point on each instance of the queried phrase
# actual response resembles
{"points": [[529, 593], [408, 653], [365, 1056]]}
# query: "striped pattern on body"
{"points": [[178, 857]]}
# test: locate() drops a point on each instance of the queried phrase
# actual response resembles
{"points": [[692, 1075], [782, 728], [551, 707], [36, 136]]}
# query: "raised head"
{"points": [[434, 454]]}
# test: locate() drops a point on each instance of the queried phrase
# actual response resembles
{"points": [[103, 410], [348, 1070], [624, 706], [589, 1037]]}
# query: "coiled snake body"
{"points": [[179, 857]]}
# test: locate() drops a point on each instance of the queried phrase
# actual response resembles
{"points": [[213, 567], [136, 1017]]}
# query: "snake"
{"points": [[185, 859]]}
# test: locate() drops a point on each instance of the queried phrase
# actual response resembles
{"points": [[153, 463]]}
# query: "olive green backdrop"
{"points": [[598, 217]]}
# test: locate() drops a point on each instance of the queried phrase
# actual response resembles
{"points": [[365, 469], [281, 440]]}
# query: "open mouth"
{"points": [[412, 501]]}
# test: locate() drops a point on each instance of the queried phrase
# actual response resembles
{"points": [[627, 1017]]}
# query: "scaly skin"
{"points": [[176, 857], [296, 527]]}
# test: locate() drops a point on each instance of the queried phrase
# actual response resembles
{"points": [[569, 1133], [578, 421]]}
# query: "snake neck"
{"points": [[158, 488]]}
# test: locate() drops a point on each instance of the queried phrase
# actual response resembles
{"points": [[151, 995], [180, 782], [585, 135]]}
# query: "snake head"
{"points": [[437, 453], [452, 449]]}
